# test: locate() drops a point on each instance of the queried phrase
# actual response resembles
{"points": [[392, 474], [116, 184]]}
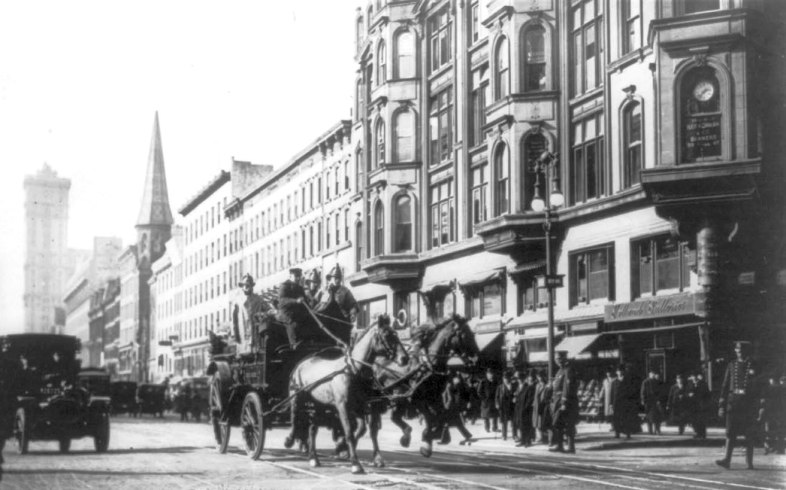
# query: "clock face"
{"points": [[704, 90]]}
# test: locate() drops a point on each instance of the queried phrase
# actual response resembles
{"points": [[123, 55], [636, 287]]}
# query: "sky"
{"points": [[80, 82]]}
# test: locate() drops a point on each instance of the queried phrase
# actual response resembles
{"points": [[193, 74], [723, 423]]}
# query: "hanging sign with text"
{"points": [[678, 304]]}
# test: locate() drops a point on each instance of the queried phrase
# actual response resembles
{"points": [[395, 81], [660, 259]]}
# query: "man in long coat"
{"points": [[245, 319], [700, 398], [504, 402], [487, 392], [607, 397], [564, 406], [678, 406], [541, 419], [626, 404], [651, 389], [292, 307], [525, 407], [739, 403]]}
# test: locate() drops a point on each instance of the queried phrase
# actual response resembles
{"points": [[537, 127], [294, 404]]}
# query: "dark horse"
{"points": [[420, 383], [341, 383]]}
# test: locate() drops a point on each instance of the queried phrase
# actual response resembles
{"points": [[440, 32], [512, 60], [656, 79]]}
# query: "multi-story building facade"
{"points": [[128, 324], [166, 307], [661, 120], [49, 263], [107, 315]]}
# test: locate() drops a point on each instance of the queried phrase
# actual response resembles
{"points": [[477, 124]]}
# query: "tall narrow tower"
{"points": [[46, 262], [153, 229]]}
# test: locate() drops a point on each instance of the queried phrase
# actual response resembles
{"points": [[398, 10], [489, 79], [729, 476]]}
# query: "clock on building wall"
{"points": [[704, 90]]}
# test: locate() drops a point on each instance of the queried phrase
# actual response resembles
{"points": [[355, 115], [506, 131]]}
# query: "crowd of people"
{"points": [[524, 407]]}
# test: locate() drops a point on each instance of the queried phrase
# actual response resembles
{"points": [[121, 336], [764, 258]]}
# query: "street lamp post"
{"points": [[547, 165]]}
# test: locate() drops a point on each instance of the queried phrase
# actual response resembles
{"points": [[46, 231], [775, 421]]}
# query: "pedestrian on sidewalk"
{"points": [[773, 416], [650, 399], [564, 406], [454, 399], [700, 400], [518, 384], [487, 392], [504, 403], [678, 404], [540, 408], [525, 410], [739, 403], [607, 397], [626, 405]]}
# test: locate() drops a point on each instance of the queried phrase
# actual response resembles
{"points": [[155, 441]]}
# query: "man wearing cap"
{"points": [[564, 406], [245, 320], [739, 403], [291, 308]]}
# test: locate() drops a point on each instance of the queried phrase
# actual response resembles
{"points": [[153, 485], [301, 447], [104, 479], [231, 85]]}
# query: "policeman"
{"points": [[739, 403], [564, 405], [245, 319], [291, 309]]}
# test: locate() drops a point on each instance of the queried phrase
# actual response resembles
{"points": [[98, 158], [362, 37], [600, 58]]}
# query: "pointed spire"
{"points": [[155, 200]]}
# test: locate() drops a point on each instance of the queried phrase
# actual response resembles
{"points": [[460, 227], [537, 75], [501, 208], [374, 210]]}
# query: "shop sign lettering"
{"points": [[682, 304]]}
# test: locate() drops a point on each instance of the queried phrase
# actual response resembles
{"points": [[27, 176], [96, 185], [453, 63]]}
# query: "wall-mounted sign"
{"points": [[678, 304], [702, 136]]}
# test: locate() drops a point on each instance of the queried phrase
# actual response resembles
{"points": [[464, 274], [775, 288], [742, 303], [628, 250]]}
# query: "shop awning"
{"points": [[481, 278], [489, 342], [438, 286], [577, 345], [528, 266]]}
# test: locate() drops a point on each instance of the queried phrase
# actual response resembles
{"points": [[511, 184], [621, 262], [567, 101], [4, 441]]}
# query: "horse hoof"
{"points": [[289, 442], [406, 438], [357, 469], [378, 462], [343, 455], [314, 463], [425, 451]]}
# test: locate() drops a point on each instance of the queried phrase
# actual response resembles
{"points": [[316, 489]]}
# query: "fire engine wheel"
{"points": [[65, 444], [252, 424], [22, 431], [101, 437], [221, 428]]}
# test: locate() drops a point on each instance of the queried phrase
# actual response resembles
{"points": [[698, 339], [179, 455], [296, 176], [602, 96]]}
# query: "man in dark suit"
{"points": [[739, 403], [291, 306], [487, 392], [651, 392], [564, 406]]}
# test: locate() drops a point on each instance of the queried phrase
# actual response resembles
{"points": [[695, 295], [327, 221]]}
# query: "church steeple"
{"points": [[154, 226], [155, 208]]}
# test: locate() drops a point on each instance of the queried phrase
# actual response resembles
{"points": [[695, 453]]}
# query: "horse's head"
{"points": [[380, 340], [462, 341]]}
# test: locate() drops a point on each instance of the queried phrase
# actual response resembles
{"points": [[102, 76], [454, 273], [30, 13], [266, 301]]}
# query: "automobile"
{"points": [[95, 380], [151, 398], [123, 395], [48, 401], [200, 393]]}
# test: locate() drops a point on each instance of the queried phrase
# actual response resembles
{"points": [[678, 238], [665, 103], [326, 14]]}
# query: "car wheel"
{"points": [[101, 438], [22, 431], [65, 445]]}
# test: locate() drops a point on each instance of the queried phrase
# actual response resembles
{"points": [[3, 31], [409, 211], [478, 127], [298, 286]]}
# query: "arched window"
{"points": [[533, 148], [700, 111], [382, 70], [403, 132], [631, 120], [502, 74], [405, 55], [534, 58], [402, 238], [379, 229], [379, 154], [502, 179]]}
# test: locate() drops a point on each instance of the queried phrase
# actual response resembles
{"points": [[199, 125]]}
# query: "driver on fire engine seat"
{"points": [[292, 301], [336, 291]]}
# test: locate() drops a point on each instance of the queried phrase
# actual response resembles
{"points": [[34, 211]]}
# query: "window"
{"points": [[336, 180], [700, 107], [502, 73], [534, 65], [358, 245], [480, 184], [631, 22], [443, 213], [369, 310], [591, 275], [382, 67], [502, 177], [693, 6], [403, 132], [359, 170], [338, 229], [319, 236], [346, 175], [588, 174], [587, 35], [658, 264], [440, 37], [631, 116], [402, 238], [379, 229], [359, 32], [474, 23], [534, 146], [441, 127], [346, 225], [486, 300], [405, 55], [477, 107], [360, 107], [328, 243], [379, 154], [529, 295]]}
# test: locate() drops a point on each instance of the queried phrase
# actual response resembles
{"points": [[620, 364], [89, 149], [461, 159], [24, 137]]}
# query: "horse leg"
{"points": [[294, 421], [375, 424], [313, 460], [343, 416], [428, 432], [397, 417], [342, 450]]}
